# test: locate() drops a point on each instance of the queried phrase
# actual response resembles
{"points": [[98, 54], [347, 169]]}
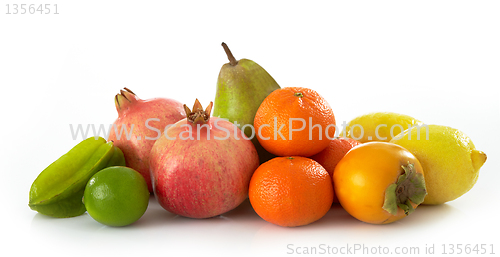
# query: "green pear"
{"points": [[241, 87]]}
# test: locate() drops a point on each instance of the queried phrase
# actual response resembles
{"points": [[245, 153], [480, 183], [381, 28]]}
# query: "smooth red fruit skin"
{"points": [[202, 178], [136, 111]]}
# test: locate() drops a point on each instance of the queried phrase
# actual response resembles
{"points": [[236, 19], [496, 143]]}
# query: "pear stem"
{"points": [[230, 56]]}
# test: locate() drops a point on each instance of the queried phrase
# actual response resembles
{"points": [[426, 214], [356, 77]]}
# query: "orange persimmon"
{"points": [[379, 182]]}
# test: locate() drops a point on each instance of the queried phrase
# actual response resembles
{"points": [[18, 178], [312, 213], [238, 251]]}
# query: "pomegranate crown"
{"points": [[124, 99], [198, 115]]}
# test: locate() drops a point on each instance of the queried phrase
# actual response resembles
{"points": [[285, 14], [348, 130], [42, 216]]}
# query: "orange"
{"points": [[294, 121], [379, 182], [291, 191], [333, 153]]}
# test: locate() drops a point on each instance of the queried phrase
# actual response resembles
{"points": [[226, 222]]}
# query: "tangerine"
{"points": [[291, 191], [333, 153], [294, 121]]}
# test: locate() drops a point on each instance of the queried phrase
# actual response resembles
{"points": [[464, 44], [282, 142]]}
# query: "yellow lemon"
{"points": [[450, 160], [378, 126]]}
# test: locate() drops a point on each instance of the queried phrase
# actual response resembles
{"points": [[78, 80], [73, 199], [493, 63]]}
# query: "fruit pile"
{"points": [[276, 146]]}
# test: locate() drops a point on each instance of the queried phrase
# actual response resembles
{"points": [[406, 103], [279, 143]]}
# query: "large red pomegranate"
{"points": [[201, 167], [139, 124]]}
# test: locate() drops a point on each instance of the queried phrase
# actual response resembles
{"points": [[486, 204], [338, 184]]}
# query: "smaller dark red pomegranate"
{"points": [[139, 124], [201, 167]]}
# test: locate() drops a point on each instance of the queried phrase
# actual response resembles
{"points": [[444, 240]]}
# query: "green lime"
{"points": [[116, 196]]}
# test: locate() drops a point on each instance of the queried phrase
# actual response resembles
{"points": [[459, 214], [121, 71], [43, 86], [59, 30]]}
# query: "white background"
{"points": [[438, 61]]}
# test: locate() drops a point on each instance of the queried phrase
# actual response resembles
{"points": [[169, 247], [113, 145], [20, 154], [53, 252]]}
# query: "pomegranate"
{"points": [[201, 167], [139, 124]]}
